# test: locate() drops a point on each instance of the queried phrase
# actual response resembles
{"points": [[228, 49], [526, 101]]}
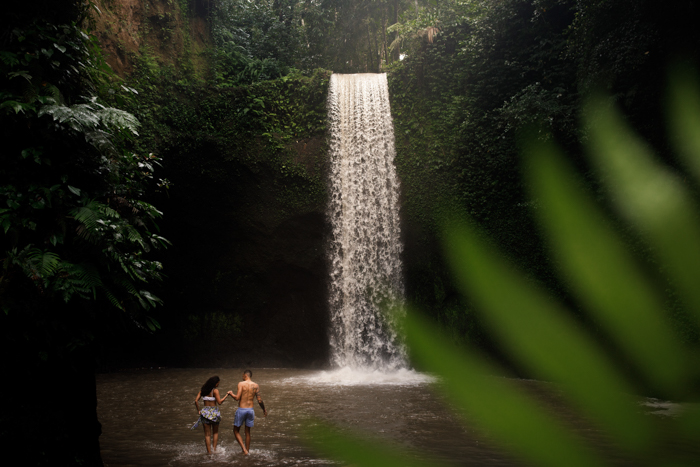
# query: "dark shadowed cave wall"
{"points": [[246, 216], [245, 211]]}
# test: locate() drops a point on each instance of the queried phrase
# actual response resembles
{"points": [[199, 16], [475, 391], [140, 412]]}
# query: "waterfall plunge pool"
{"points": [[146, 417]]}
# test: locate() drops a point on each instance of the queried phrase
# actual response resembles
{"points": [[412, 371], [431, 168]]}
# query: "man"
{"points": [[247, 390]]}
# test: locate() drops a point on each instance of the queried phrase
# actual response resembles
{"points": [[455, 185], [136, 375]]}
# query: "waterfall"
{"points": [[365, 248]]}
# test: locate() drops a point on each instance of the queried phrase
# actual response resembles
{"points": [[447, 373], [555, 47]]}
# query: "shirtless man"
{"points": [[247, 390]]}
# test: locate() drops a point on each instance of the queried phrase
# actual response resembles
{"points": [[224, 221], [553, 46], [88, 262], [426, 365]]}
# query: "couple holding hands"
{"points": [[210, 416]]}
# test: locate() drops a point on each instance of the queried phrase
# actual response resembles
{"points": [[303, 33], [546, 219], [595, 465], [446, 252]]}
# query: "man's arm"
{"points": [[260, 401]]}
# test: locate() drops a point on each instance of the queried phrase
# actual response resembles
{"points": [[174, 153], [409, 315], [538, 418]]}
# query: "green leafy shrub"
{"points": [[74, 220]]}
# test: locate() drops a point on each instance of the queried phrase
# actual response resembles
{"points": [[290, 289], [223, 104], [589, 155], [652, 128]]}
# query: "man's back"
{"points": [[248, 390]]}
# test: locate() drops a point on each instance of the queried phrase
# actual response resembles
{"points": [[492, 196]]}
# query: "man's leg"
{"points": [[247, 438], [237, 434]]}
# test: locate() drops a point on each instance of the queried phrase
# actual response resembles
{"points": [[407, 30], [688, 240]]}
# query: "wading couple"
{"points": [[210, 416]]}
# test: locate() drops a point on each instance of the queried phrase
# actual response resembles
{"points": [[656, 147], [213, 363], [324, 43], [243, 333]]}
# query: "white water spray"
{"points": [[365, 250]]}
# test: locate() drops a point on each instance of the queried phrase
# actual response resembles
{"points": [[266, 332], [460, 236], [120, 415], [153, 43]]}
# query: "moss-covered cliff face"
{"points": [[244, 196], [174, 31]]}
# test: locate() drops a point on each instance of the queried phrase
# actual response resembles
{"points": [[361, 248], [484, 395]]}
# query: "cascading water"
{"points": [[365, 250]]}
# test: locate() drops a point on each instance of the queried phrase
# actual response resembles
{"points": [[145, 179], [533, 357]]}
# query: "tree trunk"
{"points": [[397, 50], [369, 49], [385, 20], [377, 54]]}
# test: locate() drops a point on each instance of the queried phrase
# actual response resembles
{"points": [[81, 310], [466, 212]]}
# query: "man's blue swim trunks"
{"points": [[244, 415]]}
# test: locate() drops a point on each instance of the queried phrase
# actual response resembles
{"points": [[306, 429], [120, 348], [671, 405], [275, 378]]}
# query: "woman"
{"points": [[209, 416]]}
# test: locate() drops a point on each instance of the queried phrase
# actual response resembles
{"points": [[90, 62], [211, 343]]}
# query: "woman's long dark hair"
{"points": [[209, 385]]}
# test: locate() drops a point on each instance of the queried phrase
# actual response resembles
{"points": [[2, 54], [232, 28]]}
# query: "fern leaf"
{"points": [[128, 285], [87, 216], [116, 118], [80, 117], [134, 236], [44, 263], [86, 278], [100, 140], [112, 299]]}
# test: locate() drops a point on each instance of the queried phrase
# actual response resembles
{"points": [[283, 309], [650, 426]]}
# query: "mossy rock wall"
{"points": [[176, 32], [244, 198]]}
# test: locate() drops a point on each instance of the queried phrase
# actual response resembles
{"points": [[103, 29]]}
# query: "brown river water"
{"points": [[146, 417]]}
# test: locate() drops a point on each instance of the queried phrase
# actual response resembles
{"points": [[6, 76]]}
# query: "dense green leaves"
{"points": [[72, 218], [263, 40], [494, 69]]}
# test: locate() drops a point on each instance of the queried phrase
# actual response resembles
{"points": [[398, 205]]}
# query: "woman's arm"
{"points": [[199, 394], [219, 400]]}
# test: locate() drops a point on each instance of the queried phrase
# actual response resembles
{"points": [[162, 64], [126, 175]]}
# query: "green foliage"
{"points": [[89, 117], [255, 41], [257, 126], [426, 118], [242, 163], [77, 237], [492, 69], [269, 38], [74, 222]]}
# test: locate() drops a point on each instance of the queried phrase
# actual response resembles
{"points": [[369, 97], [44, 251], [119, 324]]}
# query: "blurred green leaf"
{"points": [[602, 273], [684, 117], [493, 403], [538, 332], [355, 450], [650, 196]]}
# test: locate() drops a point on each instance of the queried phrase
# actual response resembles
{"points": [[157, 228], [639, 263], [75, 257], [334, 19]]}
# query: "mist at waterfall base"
{"points": [[365, 248]]}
